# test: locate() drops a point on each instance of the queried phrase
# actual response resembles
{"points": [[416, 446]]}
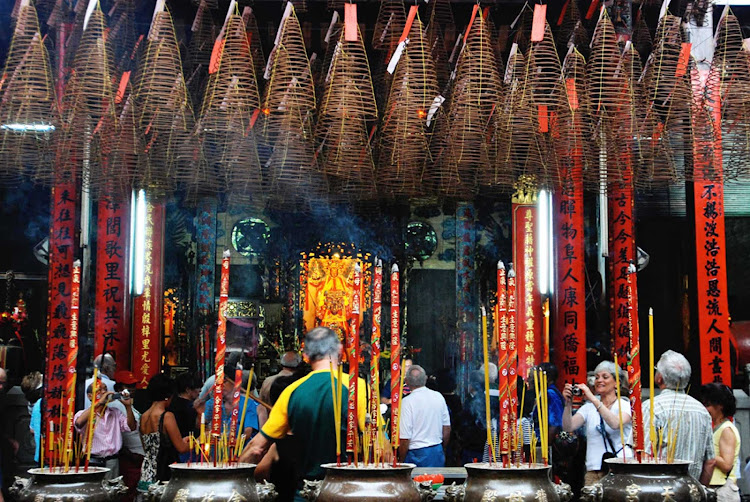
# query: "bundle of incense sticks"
{"points": [[540, 387]]}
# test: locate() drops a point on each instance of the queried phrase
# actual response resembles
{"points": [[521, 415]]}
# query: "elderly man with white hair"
{"points": [[677, 413]]}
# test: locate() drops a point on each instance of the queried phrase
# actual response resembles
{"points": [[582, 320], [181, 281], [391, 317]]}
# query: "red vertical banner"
{"points": [[352, 342], [147, 308], [61, 253], [221, 345], [395, 355], [570, 284], [377, 295], [711, 258], [528, 296], [111, 324], [70, 379], [623, 253], [501, 324], [512, 358]]}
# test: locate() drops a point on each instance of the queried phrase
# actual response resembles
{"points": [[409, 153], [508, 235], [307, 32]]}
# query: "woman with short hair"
{"points": [[720, 402], [600, 417]]}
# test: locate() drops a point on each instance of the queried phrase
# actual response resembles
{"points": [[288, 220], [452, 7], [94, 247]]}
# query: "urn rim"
{"points": [[486, 466], [59, 472], [402, 466], [208, 467]]}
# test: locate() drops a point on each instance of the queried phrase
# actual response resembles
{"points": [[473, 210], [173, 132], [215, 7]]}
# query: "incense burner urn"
{"points": [[494, 483], [201, 481], [367, 484], [632, 481], [57, 485]]}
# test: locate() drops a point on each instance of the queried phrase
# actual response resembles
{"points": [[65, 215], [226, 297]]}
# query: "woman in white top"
{"points": [[600, 417]]}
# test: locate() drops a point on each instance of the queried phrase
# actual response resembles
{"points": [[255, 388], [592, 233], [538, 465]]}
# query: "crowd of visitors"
{"points": [[293, 439]]}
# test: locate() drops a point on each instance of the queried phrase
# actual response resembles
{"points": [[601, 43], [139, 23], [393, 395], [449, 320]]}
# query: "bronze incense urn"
{"points": [[367, 484], [73, 486], [634, 481], [494, 483], [202, 481]]}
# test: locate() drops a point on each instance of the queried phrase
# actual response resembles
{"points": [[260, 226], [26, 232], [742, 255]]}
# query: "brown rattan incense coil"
{"points": [[27, 96], [642, 40], [122, 32], [404, 144], [89, 111], [441, 13], [256, 45], [666, 134], [474, 101], [203, 33], [522, 28], [569, 30], [389, 25], [289, 83], [439, 54], [163, 108]]}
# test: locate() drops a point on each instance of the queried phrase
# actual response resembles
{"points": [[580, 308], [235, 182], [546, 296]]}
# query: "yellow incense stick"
{"points": [[90, 435], [619, 407], [336, 409], [400, 399], [544, 426], [241, 429], [539, 403]]}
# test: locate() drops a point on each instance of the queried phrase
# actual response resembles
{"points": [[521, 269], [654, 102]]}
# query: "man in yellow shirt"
{"points": [[305, 409]]}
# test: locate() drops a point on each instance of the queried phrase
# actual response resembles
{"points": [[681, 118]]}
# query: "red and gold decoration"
{"points": [[395, 357], [377, 295], [352, 349], [62, 249], [221, 346], [503, 366], [525, 258], [70, 379], [111, 311], [147, 308]]}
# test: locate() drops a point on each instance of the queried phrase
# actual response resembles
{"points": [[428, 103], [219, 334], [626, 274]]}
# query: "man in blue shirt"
{"points": [[250, 424]]}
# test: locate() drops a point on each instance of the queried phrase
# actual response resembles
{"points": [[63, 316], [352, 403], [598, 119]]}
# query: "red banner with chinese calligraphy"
{"points": [[147, 308], [528, 296], [61, 254], [623, 254], [111, 323], [710, 248], [570, 308], [221, 345]]}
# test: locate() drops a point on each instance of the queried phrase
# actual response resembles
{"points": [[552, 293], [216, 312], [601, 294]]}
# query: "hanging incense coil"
{"points": [[121, 35], [572, 130], [603, 78], [728, 82], [570, 29], [440, 12], [125, 154], [474, 101], [203, 34], [516, 125], [256, 46], [244, 181], [28, 106], [231, 96], [90, 114], [404, 145], [522, 28], [289, 83], [642, 40], [439, 55], [666, 132], [164, 111], [295, 178], [389, 25]]}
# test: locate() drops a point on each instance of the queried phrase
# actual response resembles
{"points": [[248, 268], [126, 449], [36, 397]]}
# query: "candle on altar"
{"points": [[652, 429], [545, 341], [221, 347], [512, 349], [70, 378], [486, 359], [51, 444], [375, 342], [202, 438], [634, 373], [502, 366], [395, 360]]}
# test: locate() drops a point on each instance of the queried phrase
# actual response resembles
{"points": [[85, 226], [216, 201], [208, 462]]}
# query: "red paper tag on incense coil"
{"points": [[122, 87], [543, 118], [350, 22], [213, 66], [592, 8], [682, 62], [539, 22], [562, 13]]}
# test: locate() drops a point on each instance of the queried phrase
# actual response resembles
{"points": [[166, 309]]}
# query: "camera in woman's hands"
{"points": [[577, 392]]}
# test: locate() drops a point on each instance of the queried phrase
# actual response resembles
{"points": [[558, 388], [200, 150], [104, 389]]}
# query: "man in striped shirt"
{"points": [[109, 424], [679, 415]]}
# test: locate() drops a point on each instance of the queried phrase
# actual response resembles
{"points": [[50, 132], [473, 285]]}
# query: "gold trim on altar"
{"points": [[245, 309]]}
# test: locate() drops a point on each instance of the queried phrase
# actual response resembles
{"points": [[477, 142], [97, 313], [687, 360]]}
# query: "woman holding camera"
{"points": [[600, 417]]}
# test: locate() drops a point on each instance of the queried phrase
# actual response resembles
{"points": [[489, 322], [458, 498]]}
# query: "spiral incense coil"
{"points": [[441, 13], [27, 96], [163, 108], [204, 32], [125, 154], [474, 101], [244, 181], [336, 4], [121, 36], [666, 126], [254, 41], [522, 28], [389, 25], [516, 125], [572, 130], [436, 43], [89, 111], [569, 29], [603, 78], [289, 84], [231, 96], [642, 40], [211, 4]]}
